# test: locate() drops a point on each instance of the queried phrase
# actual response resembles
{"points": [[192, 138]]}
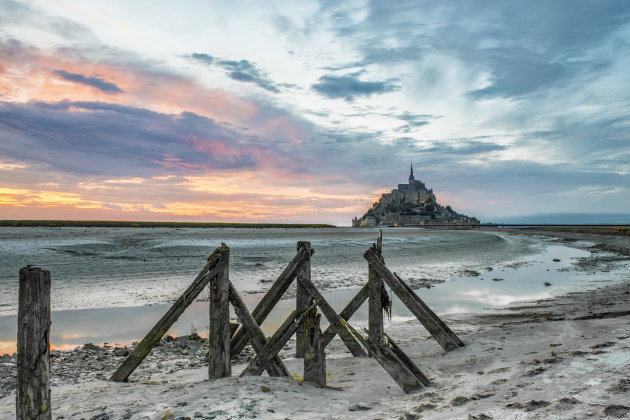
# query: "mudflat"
{"points": [[563, 357]]}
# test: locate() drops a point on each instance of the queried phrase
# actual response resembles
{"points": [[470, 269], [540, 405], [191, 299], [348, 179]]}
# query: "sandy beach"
{"points": [[564, 357]]}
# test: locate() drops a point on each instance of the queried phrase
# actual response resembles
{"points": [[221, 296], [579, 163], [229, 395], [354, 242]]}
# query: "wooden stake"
{"points": [[157, 332], [33, 345], [276, 342], [302, 298], [271, 298], [446, 340], [257, 338], [375, 318], [346, 313], [334, 319], [314, 357], [219, 365], [391, 363]]}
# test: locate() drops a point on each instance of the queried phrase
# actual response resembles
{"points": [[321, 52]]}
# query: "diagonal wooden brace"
{"points": [[346, 313], [276, 342], [445, 337], [403, 372], [132, 361], [257, 338], [334, 319], [271, 298]]}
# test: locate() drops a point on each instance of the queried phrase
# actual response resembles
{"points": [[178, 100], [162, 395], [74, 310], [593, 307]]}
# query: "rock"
{"points": [[194, 336], [547, 284], [168, 338], [102, 416], [617, 411], [121, 352], [457, 401], [92, 347], [480, 416], [359, 407]]}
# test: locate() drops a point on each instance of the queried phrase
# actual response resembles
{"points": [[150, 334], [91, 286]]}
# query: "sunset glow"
{"points": [[308, 114]]}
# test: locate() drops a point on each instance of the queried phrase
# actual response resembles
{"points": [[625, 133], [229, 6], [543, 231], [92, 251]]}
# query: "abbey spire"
{"points": [[411, 177]]}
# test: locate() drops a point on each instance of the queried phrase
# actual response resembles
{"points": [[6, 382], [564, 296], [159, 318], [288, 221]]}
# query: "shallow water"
{"points": [[140, 272]]}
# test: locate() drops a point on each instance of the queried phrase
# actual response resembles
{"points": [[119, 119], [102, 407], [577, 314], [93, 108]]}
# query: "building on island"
{"points": [[411, 204]]}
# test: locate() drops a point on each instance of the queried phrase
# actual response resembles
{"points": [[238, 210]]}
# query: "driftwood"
{"points": [[395, 367], [219, 360], [271, 298], [276, 342], [447, 339], [314, 357], [33, 345], [142, 350], [346, 313], [339, 323], [257, 338], [302, 298]]}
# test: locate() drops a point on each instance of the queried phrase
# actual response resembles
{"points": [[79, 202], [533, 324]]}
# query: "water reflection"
{"points": [[462, 293]]}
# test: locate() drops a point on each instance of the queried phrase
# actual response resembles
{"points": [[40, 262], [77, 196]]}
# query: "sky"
{"points": [[285, 111]]}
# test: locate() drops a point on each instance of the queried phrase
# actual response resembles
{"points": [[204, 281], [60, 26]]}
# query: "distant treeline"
{"points": [[105, 223]]}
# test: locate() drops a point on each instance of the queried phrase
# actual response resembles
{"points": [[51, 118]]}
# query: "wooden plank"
{"points": [[140, 352], [219, 359], [302, 298], [375, 302], [257, 338], [276, 342], [432, 314], [271, 298], [346, 313], [409, 364], [32, 394], [334, 319], [314, 356], [441, 336], [392, 365]]}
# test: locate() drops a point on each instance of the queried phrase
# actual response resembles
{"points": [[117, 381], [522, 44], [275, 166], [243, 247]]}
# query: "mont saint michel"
{"points": [[411, 204]]}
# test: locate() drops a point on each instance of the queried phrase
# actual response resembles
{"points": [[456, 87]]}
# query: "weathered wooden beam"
{"points": [[375, 302], [302, 298], [271, 298], [32, 394], [257, 338], [402, 356], [276, 342], [314, 356], [437, 319], [334, 319], [219, 359], [392, 365], [140, 352], [441, 336], [346, 313]]}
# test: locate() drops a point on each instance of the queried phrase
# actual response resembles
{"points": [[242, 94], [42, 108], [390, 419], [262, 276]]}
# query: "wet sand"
{"points": [[562, 357]]}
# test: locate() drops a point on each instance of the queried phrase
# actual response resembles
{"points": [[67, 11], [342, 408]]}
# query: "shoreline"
{"points": [[564, 357]]}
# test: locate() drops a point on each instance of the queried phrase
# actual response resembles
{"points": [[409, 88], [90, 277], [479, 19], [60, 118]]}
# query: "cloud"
{"points": [[96, 82], [349, 86], [241, 70], [96, 138]]}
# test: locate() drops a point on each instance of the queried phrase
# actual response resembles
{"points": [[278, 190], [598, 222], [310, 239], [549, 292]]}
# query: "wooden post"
{"points": [[33, 345], [303, 298], [334, 319], [276, 342], [219, 365], [314, 357], [257, 338], [346, 314], [271, 298], [157, 332], [446, 338], [375, 302]]}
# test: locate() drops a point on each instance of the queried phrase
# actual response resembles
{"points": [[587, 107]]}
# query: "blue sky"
{"points": [[308, 111]]}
